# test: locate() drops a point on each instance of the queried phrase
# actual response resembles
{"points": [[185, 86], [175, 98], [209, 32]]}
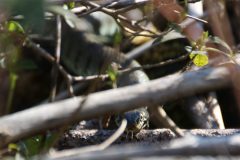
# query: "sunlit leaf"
{"points": [[13, 146], [14, 26], [199, 59], [112, 72], [71, 5], [31, 146], [205, 35], [31, 10], [13, 82]]}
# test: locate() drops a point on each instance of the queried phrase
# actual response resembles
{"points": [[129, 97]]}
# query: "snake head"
{"points": [[136, 119]]}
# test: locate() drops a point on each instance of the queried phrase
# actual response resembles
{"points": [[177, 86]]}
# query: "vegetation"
{"points": [[64, 61]]}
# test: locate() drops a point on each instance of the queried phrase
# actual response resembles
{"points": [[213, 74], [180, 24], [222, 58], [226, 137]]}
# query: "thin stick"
{"points": [[57, 59], [97, 147]]}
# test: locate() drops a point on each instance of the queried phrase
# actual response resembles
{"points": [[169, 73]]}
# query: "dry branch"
{"points": [[187, 146], [47, 116], [84, 137], [226, 157]]}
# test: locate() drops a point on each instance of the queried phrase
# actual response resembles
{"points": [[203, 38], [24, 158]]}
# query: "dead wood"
{"points": [[187, 146], [185, 157], [47, 116], [84, 137]]}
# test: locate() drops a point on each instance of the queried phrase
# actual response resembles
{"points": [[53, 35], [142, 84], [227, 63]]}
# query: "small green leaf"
{"points": [[13, 146], [31, 10], [199, 59], [13, 82], [112, 72], [31, 146], [14, 26], [205, 35], [71, 5]]}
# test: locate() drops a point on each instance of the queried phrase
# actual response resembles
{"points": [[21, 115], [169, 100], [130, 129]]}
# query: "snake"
{"points": [[82, 56]]}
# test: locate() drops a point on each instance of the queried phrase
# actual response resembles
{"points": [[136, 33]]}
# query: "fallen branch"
{"points": [[187, 146], [162, 90], [106, 142], [84, 137]]}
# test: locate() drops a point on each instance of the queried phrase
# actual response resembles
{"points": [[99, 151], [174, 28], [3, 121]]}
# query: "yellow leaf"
{"points": [[200, 60]]}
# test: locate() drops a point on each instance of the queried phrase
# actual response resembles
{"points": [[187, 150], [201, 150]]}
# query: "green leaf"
{"points": [[31, 10], [13, 146], [14, 26], [71, 5], [205, 35], [34, 145], [31, 146], [199, 59], [13, 82], [112, 72]]}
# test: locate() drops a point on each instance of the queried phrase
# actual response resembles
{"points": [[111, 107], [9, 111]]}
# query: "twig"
{"points": [[160, 64], [98, 8], [119, 18], [97, 147], [120, 3], [104, 77], [186, 146], [85, 137], [162, 118], [57, 59], [43, 53]]}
